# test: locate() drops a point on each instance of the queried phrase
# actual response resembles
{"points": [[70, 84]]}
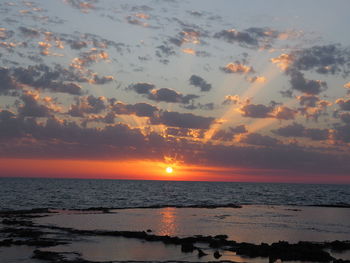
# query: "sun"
{"points": [[169, 170]]}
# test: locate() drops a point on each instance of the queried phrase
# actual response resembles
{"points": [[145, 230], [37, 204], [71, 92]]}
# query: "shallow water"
{"points": [[27, 193], [251, 223]]}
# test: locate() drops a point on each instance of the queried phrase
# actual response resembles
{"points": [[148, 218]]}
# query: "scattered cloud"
{"points": [[199, 82], [237, 68]]}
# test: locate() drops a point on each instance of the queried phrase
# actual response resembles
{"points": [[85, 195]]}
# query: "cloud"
{"points": [[182, 120], [138, 109], [284, 113], [283, 61], [87, 105], [308, 100], [135, 21], [83, 5], [43, 77], [311, 87], [344, 104], [7, 83], [292, 130], [237, 68], [5, 34], [185, 132], [345, 117], [253, 37], [259, 140], [327, 59], [341, 133], [231, 99], [76, 44], [169, 95], [227, 135], [256, 111], [31, 106], [142, 88], [87, 58], [29, 32], [199, 82], [165, 51], [257, 79], [298, 130]]}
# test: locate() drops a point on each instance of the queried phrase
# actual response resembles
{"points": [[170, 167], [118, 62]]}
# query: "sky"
{"points": [[225, 90]]}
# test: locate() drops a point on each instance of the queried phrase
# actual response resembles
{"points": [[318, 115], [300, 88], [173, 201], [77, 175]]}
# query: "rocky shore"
{"points": [[19, 229]]}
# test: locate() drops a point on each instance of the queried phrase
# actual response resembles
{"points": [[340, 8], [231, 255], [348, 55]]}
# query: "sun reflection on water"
{"points": [[168, 224]]}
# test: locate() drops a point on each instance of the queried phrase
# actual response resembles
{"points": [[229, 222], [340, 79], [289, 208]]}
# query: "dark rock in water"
{"points": [[187, 247], [48, 255], [148, 230], [217, 254], [221, 236], [339, 245], [341, 261], [201, 253], [22, 232], [6, 242], [304, 251], [17, 222]]}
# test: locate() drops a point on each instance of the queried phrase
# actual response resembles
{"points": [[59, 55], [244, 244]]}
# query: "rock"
{"points": [[217, 254], [201, 253], [47, 255], [187, 247], [148, 230]]}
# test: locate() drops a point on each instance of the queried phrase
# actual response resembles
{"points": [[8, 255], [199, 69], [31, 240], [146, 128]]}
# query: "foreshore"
{"points": [[48, 235]]}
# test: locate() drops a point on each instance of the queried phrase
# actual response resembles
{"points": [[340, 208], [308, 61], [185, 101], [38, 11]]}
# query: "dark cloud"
{"points": [[344, 104], [169, 95], [7, 83], [256, 111], [253, 37], [292, 130], [29, 32], [233, 36], [165, 51], [138, 109], [199, 82], [83, 5], [341, 133], [298, 130], [311, 87], [327, 59], [259, 140], [182, 120], [142, 88], [284, 113], [308, 100], [345, 117], [135, 21], [227, 135], [31, 106], [75, 44], [87, 105], [43, 77], [6, 34]]}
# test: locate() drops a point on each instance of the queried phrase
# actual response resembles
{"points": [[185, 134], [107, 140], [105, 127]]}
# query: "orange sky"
{"points": [[151, 170]]}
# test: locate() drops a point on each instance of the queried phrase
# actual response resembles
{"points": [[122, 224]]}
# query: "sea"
{"points": [[31, 193]]}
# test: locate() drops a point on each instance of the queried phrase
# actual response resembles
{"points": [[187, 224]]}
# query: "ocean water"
{"points": [[28, 193]]}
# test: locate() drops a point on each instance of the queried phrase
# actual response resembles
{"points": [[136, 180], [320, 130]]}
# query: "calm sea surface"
{"points": [[27, 193]]}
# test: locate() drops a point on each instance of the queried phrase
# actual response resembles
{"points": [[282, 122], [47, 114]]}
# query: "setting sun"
{"points": [[169, 170]]}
